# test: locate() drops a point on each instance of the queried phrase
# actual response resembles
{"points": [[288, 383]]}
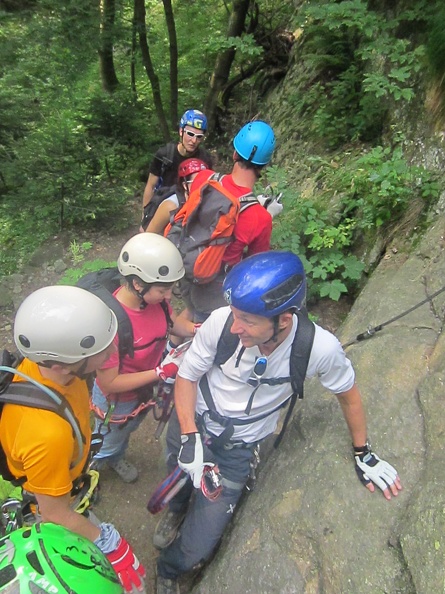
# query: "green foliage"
{"points": [[379, 186], [78, 251], [307, 230], [245, 45], [72, 275], [360, 64]]}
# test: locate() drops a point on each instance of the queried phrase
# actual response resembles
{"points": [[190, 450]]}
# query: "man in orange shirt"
{"points": [[64, 333]]}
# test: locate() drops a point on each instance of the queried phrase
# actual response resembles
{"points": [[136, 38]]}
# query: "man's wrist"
{"points": [[362, 449]]}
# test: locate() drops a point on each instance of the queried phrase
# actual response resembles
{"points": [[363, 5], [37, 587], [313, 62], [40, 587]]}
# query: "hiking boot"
{"points": [[166, 586], [127, 471], [167, 529]]}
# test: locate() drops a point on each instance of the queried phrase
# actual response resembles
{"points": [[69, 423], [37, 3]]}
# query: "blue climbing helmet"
{"points": [[267, 284], [195, 119], [255, 142]]}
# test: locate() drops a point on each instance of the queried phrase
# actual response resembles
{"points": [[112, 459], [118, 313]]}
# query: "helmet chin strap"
{"points": [[276, 330], [140, 294], [80, 373]]}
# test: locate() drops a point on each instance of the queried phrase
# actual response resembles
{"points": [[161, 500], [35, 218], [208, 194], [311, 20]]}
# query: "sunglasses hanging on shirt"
{"points": [[255, 380]]}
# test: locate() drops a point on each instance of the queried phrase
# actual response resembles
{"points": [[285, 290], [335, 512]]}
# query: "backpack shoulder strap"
{"points": [[35, 395], [167, 156], [171, 146], [164, 306], [227, 343], [247, 200], [125, 329], [299, 360]]}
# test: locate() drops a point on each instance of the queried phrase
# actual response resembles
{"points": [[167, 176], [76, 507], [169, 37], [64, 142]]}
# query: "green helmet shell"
{"points": [[49, 559]]}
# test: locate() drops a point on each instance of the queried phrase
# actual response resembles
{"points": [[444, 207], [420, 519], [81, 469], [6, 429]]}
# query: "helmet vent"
{"points": [[125, 257], [34, 562], [252, 152], [7, 574], [87, 342], [283, 292], [163, 271], [24, 341]]}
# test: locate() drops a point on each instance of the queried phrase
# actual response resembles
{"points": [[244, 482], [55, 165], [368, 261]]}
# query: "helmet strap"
{"points": [[276, 330], [80, 373], [139, 292]]}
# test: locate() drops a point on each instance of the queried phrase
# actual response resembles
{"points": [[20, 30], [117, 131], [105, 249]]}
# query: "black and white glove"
{"points": [[271, 202], [370, 468], [193, 456]]}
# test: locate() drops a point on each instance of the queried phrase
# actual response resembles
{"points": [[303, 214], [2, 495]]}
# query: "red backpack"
{"points": [[203, 227]]}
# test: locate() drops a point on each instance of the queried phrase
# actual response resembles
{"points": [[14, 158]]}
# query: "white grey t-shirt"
{"points": [[228, 383]]}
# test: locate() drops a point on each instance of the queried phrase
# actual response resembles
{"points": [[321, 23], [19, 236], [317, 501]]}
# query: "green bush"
{"points": [[324, 248]]}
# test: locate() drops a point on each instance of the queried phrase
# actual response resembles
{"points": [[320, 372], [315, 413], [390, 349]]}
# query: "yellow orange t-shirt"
{"points": [[39, 444]]}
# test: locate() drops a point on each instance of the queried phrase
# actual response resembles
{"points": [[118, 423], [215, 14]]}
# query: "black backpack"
{"points": [[161, 192], [31, 393], [299, 360], [158, 197], [103, 283]]}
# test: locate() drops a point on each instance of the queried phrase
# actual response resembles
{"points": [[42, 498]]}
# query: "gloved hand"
{"points": [[270, 202], [275, 208], [168, 371], [127, 566], [193, 456], [369, 468]]}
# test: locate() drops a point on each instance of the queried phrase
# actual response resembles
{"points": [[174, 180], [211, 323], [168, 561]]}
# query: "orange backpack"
{"points": [[203, 227]]}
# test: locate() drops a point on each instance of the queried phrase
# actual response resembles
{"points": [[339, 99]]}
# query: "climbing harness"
{"points": [[373, 330]]}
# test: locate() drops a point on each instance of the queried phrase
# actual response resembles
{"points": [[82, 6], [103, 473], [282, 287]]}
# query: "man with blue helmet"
{"points": [[224, 410], [163, 170]]}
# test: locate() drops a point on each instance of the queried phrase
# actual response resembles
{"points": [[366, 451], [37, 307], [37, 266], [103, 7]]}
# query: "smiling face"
{"points": [[252, 330]]}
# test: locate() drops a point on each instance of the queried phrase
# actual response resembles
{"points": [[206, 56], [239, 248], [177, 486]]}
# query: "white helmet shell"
{"points": [[63, 324], [151, 257]]}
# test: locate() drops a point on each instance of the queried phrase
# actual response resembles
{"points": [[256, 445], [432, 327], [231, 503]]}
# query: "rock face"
{"points": [[310, 527]]}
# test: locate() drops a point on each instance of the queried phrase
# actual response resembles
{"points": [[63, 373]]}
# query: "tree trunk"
{"points": [[224, 61], [173, 44], [139, 10], [133, 54], [106, 62]]}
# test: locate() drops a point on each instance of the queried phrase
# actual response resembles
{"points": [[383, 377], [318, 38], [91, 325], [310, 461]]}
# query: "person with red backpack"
{"points": [[249, 230], [187, 172], [164, 167]]}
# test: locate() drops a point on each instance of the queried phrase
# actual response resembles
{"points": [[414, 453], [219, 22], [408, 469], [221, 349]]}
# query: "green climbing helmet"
{"points": [[49, 559]]}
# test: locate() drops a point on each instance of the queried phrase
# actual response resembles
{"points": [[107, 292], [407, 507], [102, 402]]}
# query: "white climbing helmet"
{"points": [[151, 257], [63, 324]]}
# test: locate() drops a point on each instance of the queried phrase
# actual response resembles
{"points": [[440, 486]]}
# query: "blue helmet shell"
{"points": [[267, 284], [255, 142], [195, 119]]}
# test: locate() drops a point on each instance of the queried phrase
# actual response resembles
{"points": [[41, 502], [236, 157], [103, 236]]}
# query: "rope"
{"points": [[371, 331]]}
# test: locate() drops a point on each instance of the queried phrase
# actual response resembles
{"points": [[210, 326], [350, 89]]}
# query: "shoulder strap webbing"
{"points": [[125, 329], [168, 159], [299, 360], [164, 306], [28, 394]]}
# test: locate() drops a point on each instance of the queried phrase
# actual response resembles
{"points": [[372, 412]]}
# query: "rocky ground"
{"points": [[124, 505]]}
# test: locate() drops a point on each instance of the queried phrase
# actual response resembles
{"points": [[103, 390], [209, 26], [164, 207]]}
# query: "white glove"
{"points": [[193, 456], [369, 468], [271, 203], [177, 354]]}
